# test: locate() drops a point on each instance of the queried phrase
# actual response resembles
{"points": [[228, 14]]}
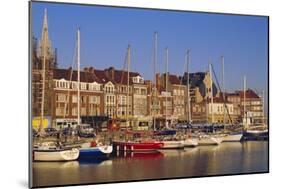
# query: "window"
{"points": [[74, 85], [94, 99], [74, 99], [61, 98], [74, 111], [83, 86], [84, 99]]}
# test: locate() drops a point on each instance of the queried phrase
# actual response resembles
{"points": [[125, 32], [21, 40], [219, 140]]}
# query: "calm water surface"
{"points": [[227, 158]]}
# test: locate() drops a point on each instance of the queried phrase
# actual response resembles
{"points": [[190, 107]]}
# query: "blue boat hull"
{"points": [[91, 152]]}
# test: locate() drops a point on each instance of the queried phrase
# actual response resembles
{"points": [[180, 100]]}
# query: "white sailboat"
{"points": [[210, 139], [50, 152], [169, 144], [229, 137], [189, 141]]}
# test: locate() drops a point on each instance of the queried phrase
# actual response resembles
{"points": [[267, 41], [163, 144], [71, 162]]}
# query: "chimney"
{"points": [[91, 69], [109, 72], [158, 80]]}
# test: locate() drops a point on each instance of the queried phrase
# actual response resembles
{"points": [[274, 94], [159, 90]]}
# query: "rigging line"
{"points": [[220, 91], [70, 78]]}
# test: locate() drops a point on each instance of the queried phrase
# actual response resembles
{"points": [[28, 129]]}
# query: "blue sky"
{"points": [[106, 32]]}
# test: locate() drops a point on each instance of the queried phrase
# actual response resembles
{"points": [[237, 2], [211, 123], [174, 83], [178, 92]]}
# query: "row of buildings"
{"points": [[107, 92]]}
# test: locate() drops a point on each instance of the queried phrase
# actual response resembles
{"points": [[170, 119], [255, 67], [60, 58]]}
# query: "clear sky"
{"points": [[106, 32]]}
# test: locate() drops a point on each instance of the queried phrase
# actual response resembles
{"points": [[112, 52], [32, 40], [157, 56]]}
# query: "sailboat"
{"points": [[189, 141], [134, 146], [210, 139], [232, 136], [87, 149], [256, 132], [47, 151]]}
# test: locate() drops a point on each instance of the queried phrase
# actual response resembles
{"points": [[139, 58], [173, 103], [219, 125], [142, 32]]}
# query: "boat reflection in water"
{"points": [[95, 161], [226, 158], [141, 155], [56, 165]]}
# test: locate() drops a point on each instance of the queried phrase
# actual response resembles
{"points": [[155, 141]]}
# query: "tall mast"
{"points": [[154, 76], [187, 58], [244, 99], [212, 101], [128, 81], [166, 107], [78, 77], [263, 120], [223, 90], [44, 49]]}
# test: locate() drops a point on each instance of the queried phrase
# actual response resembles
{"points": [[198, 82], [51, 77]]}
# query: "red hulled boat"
{"points": [[137, 146]]}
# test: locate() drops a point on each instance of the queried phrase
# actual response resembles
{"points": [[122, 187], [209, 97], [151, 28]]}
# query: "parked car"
{"points": [[67, 131], [50, 131]]}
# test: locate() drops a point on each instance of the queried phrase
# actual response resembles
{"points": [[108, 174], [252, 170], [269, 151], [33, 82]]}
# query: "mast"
{"points": [[128, 81], [187, 58], [206, 106], [166, 107], [154, 77], [212, 100], [244, 107], [263, 120], [78, 77], [223, 90], [44, 36]]}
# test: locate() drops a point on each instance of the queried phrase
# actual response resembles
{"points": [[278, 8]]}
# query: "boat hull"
{"points": [[56, 155], [95, 151], [172, 144], [137, 146], [190, 142], [255, 135], [209, 141], [233, 138]]}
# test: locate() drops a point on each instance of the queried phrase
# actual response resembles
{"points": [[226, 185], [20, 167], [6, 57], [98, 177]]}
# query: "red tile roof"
{"points": [[249, 94], [84, 76], [174, 79], [94, 75]]}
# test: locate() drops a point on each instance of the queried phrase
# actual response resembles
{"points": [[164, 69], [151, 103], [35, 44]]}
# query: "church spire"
{"points": [[45, 43]]}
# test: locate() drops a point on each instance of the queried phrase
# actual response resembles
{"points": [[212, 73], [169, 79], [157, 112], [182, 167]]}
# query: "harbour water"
{"points": [[227, 158]]}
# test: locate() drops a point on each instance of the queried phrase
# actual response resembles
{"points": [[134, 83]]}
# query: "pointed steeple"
{"points": [[45, 43]]}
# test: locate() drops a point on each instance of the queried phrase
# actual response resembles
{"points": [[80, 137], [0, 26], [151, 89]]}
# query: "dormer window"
{"points": [[83, 86], [94, 86], [74, 85], [63, 84], [138, 79]]}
